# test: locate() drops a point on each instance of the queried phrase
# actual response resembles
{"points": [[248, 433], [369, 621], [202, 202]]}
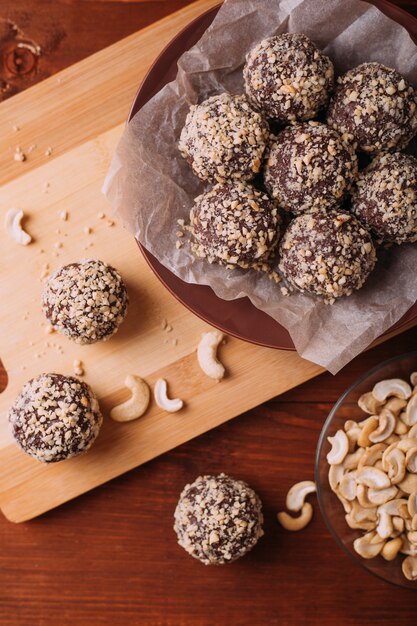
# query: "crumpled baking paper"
{"points": [[151, 186]]}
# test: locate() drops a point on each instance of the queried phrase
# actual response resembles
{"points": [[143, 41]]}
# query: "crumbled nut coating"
{"points": [[224, 138], [218, 519], [86, 301], [234, 225], [385, 198], [288, 78], [326, 253], [375, 107], [55, 417], [309, 167]]}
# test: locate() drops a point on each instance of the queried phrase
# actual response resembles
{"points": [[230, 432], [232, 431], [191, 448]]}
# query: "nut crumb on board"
{"points": [[48, 151], [19, 155]]}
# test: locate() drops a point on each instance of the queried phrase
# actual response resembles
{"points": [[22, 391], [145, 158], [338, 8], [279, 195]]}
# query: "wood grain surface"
{"points": [[110, 557]]}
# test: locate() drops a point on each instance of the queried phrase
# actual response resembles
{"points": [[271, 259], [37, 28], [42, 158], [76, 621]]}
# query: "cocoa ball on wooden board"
{"points": [[85, 301], [55, 417]]}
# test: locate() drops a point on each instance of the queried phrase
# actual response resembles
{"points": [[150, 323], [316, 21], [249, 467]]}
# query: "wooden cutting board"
{"points": [[68, 127]]}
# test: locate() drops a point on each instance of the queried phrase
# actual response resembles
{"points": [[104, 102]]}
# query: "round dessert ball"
{"points": [[218, 519], [224, 138], [288, 78], [375, 107], [86, 301], [385, 198], [309, 167], [326, 253], [234, 225], [55, 417]]}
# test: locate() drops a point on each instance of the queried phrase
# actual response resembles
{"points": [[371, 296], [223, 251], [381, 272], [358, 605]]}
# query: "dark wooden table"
{"points": [[111, 557]]}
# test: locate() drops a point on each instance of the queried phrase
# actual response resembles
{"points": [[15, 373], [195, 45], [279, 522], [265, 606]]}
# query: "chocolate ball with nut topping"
{"points": [[218, 519], [385, 198], [85, 301], [309, 167], [234, 225], [224, 138], [326, 253], [374, 106], [55, 417], [288, 78]]}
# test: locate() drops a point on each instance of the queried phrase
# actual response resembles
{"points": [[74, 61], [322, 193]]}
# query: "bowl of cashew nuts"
{"points": [[366, 471]]}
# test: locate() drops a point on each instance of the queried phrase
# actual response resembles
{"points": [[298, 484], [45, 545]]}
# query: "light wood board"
{"points": [[80, 114]]}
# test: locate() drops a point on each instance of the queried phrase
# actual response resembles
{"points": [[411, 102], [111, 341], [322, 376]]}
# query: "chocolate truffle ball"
{"points": [[86, 301], [288, 78], [55, 417], [309, 167], [326, 253], [375, 107], [218, 519], [234, 225], [385, 199], [224, 138]]}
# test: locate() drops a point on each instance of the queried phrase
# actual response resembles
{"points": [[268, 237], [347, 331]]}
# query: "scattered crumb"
{"points": [[19, 155], [164, 324], [111, 222], [78, 367], [175, 342], [285, 291], [48, 151], [87, 230], [45, 271], [49, 330], [58, 244], [179, 233], [45, 187], [178, 245], [181, 222], [55, 254], [41, 251], [15, 128], [168, 328], [58, 80], [63, 215], [101, 216]]}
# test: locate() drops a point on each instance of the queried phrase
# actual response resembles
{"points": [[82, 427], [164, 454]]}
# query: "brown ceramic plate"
{"points": [[235, 317]]}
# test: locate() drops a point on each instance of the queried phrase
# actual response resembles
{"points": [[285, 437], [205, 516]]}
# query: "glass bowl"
{"points": [[332, 510]]}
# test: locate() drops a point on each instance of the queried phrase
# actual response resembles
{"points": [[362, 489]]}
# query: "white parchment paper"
{"points": [[150, 185]]}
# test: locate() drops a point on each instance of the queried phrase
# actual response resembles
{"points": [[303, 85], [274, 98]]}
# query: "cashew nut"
{"points": [[298, 493], [410, 417], [412, 504], [411, 460], [409, 484], [407, 547], [347, 486], [409, 567], [372, 477], [413, 379], [393, 463], [335, 475], [385, 427], [369, 404], [340, 448], [396, 507], [384, 527], [372, 455], [296, 523], [412, 537], [162, 400], [406, 444], [352, 460], [136, 405], [368, 427], [364, 546], [206, 354], [363, 499], [395, 405], [398, 523], [392, 387], [380, 496], [391, 549], [14, 227]]}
